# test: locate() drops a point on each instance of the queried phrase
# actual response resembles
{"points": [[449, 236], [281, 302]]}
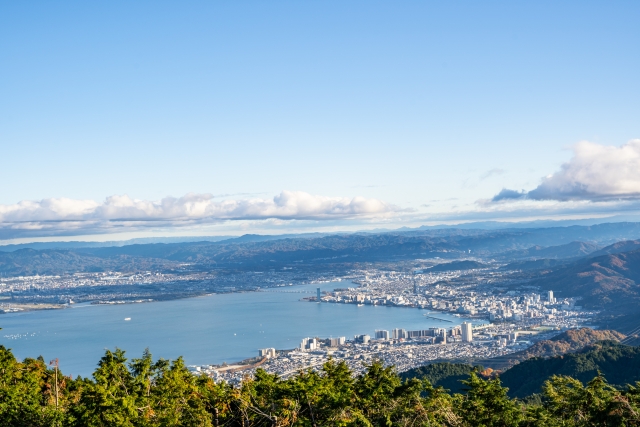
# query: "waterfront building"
{"points": [[267, 352], [419, 334], [335, 342], [304, 343], [382, 335], [399, 334], [309, 344], [319, 296], [467, 332], [364, 339]]}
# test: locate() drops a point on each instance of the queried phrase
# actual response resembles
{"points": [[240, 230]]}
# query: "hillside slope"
{"points": [[569, 341], [569, 250], [616, 248], [620, 364], [442, 374], [606, 281]]}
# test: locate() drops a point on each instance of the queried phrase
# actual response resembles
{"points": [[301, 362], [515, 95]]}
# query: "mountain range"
{"points": [[252, 251]]}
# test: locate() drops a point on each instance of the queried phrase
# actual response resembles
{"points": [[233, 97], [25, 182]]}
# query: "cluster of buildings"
{"points": [[484, 294], [517, 315], [432, 335], [316, 343], [461, 333], [463, 343], [268, 352]]}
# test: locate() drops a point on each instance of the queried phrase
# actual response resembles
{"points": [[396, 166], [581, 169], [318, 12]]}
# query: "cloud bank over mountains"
{"points": [[594, 173], [597, 182], [63, 216]]}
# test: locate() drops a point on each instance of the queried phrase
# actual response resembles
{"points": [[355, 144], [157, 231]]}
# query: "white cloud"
{"points": [[64, 216], [595, 173]]}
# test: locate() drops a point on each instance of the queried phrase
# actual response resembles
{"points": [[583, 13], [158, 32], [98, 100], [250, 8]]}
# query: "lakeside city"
{"points": [[499, 314], [517, 319]]}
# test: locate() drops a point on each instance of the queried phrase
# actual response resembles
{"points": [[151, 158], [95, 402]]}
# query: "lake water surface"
{"points": [[205, 330]]}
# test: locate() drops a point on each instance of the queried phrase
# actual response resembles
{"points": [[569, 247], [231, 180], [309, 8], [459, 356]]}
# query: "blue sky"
{"points": [[424, 110]]}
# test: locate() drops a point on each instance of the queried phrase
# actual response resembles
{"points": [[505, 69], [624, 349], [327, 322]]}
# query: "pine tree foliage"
{"points": [[142, 392]]}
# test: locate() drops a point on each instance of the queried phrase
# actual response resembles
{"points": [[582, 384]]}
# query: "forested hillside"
{"points": [[618, 247], [567, 342], [569, 250], [449, 376], [620, 364], [606, 281]]}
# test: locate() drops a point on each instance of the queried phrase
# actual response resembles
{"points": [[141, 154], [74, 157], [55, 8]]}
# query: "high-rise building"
{"points": [[267, 352], [419, 334], [319, 296], [304, 343], [467, 332], [440, 335], [382, 335], [399, 334], [550, 297], [335, 342], [309, 344], [364, 339]]}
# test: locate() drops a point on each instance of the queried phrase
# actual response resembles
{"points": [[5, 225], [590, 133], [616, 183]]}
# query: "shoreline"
{"points": [[20, 307], [27, 307]]}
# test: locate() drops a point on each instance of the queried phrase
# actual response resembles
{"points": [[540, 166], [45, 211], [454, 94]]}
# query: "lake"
{"points": [[205, 330]]}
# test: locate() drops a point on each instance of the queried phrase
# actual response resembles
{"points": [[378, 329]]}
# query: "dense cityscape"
{"points": [[496, 322]]}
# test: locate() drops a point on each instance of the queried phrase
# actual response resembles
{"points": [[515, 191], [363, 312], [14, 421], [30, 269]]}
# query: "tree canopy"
{"points": [[142, 392]]}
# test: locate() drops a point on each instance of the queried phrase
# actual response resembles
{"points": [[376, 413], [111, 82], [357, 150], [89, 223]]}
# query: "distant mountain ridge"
{"points": [[616, 248], [154, 240], [272, 251], [538, 264], [569, 250]]}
